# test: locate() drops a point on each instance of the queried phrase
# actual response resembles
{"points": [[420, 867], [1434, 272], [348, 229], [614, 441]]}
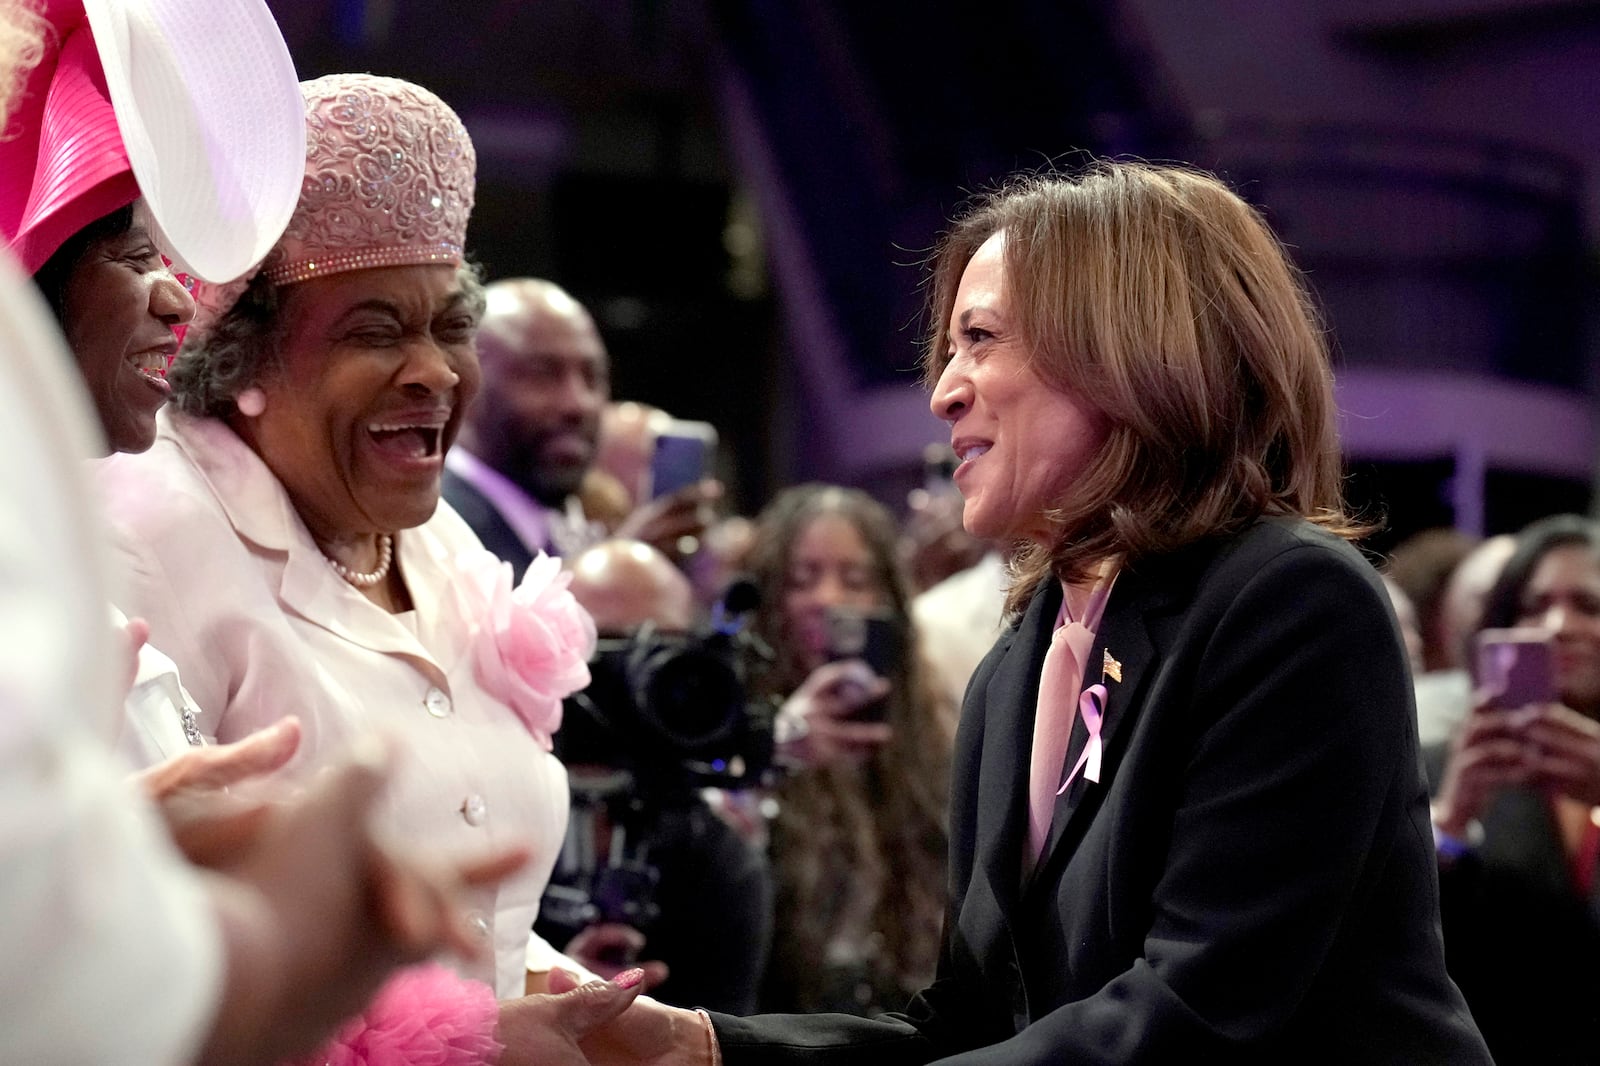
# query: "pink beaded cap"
{"points": [[389, 180]]}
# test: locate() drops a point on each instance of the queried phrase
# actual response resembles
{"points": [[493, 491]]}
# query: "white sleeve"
{"points": [[542, 958], [158, 712], [109, 950]]}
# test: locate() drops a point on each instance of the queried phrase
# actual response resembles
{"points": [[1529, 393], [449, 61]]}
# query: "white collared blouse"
{"points": [[240, 597]]}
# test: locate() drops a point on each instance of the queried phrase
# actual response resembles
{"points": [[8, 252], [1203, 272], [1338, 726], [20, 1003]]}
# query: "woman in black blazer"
{"points": [[1239, 867]]}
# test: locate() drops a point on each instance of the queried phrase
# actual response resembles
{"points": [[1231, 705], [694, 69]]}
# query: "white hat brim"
{"points": [[211, 115]]}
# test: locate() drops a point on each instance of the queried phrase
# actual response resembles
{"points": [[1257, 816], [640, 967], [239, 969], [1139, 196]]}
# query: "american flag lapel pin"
{"points": [[1109, 667]]}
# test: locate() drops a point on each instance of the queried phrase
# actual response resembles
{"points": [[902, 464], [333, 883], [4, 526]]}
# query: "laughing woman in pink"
{"points": [[285, 534]]}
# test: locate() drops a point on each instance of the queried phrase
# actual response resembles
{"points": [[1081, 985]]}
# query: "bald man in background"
{"points": [[533, 432], [715, 889], [625, 584]]}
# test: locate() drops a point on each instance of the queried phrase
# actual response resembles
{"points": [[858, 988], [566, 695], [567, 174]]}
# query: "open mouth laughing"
{"points": [[153, 364], [411, 439]]}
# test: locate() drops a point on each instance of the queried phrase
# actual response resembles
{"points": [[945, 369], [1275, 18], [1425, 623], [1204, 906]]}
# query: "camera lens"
{"points": [[692, 696]]}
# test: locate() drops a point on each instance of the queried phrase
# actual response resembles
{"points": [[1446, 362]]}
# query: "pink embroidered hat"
{"points": [[190, 103], [389, 180]]}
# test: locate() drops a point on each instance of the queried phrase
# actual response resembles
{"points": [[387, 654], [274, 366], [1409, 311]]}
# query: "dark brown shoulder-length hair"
{"points": [[1161, 299]]}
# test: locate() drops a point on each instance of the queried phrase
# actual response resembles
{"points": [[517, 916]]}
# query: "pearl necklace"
{"points": [[367, 579]]}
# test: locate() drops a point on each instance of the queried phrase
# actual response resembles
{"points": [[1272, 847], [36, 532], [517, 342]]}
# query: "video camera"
{"points": [[665, 715], [674, 708]]}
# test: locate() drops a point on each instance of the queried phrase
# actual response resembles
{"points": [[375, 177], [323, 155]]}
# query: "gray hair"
{"points": [[240, 349], [243, 347]]}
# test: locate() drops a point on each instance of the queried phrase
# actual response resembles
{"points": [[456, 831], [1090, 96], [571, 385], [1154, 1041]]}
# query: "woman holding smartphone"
{"points": [[1517, 816], [858, 841]]}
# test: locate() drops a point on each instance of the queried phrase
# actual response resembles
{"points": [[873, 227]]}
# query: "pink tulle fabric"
{"points": [[424, 1016]]}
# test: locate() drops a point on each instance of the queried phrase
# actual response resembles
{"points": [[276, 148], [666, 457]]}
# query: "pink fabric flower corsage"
{"points": [[533, 643], [424, 1016]]}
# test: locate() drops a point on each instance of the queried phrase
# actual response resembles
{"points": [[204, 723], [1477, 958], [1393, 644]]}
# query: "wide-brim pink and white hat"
{"points": [[192, 104]]}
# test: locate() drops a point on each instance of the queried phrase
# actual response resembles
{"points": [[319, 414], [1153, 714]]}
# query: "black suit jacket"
{"points": [[490, 526], [1252, 877]]}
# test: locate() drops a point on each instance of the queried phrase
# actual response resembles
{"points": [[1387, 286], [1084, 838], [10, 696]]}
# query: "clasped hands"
{"points": [[607, 1030]]}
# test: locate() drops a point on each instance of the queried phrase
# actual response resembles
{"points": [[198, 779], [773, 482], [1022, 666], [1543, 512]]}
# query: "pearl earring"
{"points": [[251, 402]]}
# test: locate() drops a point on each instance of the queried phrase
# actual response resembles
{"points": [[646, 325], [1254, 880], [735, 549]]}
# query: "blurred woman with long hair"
{"points": [[859, 838]]}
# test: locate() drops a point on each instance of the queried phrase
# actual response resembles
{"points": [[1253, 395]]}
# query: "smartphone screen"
{"points": [[682, 456], [875, 638], [1515, 667]]}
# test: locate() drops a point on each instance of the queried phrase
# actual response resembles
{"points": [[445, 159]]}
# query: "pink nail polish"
{"points": [[629, 978]]}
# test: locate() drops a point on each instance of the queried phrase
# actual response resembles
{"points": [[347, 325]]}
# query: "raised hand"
{"points": [[821, 715], [197, 791], [1565, 753], [664, 522], [1489, 753]]}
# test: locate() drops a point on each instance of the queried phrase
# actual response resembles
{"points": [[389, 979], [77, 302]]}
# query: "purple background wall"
{"points": [[741, 191]]}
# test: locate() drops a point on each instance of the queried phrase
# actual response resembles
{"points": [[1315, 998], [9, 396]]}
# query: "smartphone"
{"points": [[682, 457], [1515, 667], [875, 638]]}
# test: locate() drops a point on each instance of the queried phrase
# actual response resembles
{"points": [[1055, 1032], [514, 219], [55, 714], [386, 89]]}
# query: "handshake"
{"points": [[317, 913]]}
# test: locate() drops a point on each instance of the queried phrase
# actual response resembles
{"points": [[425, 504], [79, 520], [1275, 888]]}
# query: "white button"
{"points": [[437, 702], [474, 809], [478, 924]]}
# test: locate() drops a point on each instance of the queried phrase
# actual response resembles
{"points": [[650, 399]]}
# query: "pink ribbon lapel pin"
{"points": [[1091, 708]]}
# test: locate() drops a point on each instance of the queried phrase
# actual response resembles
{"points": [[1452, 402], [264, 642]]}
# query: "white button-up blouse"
{"points": [[240, 597]]}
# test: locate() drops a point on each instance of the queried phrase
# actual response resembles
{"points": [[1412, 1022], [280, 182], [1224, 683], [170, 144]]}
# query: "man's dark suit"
{"points": [[495, 532], [1252, 879]]}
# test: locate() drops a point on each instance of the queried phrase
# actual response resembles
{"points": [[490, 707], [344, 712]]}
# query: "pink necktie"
{"points": [[1061, 693], [1052, 726]]}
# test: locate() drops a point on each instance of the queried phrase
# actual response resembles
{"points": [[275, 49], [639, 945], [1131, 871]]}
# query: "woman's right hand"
{"points": [[1565, 759], [824, 728], [544, 1029], [1489, 753], [648, 1033]]}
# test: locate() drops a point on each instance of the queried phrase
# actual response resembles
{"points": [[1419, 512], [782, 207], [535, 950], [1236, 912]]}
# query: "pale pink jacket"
{"points": [[238, 594]]}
